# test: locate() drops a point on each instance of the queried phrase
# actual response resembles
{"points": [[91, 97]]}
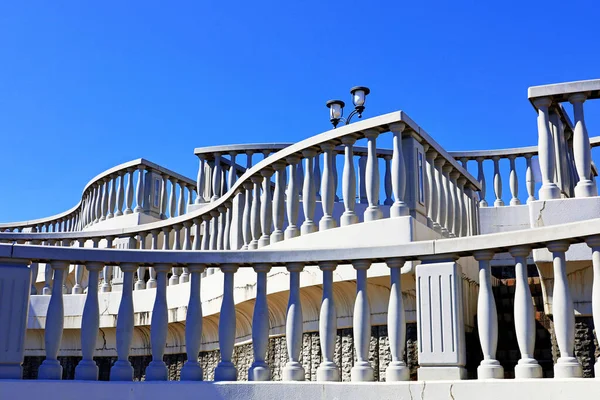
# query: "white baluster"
{"points": [[120, 195], [140, 284], [163, 196], [173, 198], [87, 370], [181, 203], [581, 149], [152, 272], [398, 178], [266, 208], [140, 190], [497, 182], [157, 369], [79, 269], [349, 217], [200, 180], [529, 180], [463, 201], [112, 197], [259, 370], [433, 190], [104, 202], [216, 179], [487, 320], [51, 368], [192, 371], [34, 273], [514, 183], [255, 212], [221, 227], [309, 194], [527, 366], [549, 190], [327, 370], [317, 176], [196, 245], [225, 370], [122, 369], [107, 272], [361, 324], [563, 311], [454, 195], [214, 232], [481, 179], [373, 211], [279, 202], [293, 370], [129, 192], [396, 320], [246, 217], [327, 188], [293, 198], [594, 243]]}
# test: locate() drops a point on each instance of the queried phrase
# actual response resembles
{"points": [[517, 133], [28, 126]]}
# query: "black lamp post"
{"points": [[336, 107]]}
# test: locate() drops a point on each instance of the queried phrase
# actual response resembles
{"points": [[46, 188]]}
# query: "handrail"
{"points": [[574, 232], [380, 124], [93, 181]]}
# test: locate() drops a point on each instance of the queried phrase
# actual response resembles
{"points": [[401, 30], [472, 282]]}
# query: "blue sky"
{"points": [[85, 86]]}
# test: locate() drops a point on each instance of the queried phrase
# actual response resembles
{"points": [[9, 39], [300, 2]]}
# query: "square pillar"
{"points": [[440, 322], [15, 284]]}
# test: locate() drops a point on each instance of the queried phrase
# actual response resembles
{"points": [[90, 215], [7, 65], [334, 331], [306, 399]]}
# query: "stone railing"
{"points": [[556, 150], [111, 194], [441, 340]]}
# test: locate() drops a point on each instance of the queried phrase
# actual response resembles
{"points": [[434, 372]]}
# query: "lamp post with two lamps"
{"points": [[336, 107]]}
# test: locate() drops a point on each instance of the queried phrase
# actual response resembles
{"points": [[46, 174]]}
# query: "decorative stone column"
{"points": [[157, 369], [191, 370], [349, 217], [293, 370], [399, 207], [362, 370], [259, 370], [396, 320], [328, 369], [549, 190], [122, 369], [226, 370], [373, 212], [581, 149]]}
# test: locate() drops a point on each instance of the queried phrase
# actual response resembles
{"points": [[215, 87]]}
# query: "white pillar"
{"points": [[214, 232], [216, 179], [594, 243], [51, 368], [581, 149], [497, 182], [349, 217], [328, 369], [527, 366], [112, 197], [308, 194], [563, 312], [361, 325], [200, 180], [181, 203], [191, 370], [104, 204], [246, 224], [140, 190], [120, 195], [225, 370], [487, 320], [173, 198], [122, 369], [259, 370], [157, 369], [514, 183], [87, 370], [293, 370], [129, 192], [396, 321], [441, 204], [327, 188], [293, 198], [432, 207], [549, 190], [373, 212]]}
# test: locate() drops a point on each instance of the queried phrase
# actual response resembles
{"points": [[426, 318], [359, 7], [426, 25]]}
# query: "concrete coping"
{"points": [[560, 92]]}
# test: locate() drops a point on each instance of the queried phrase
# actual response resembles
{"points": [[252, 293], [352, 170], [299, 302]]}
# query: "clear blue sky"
{"points": [[87, 85]]}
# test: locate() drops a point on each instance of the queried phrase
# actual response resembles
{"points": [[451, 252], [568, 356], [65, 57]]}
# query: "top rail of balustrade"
{"points": [[358, 130], [114, 171], [427, 250], [560, 92]]}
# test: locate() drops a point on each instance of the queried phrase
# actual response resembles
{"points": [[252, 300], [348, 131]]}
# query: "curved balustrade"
{"points": [[111, 194], [416, 159], [482, 248]]}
